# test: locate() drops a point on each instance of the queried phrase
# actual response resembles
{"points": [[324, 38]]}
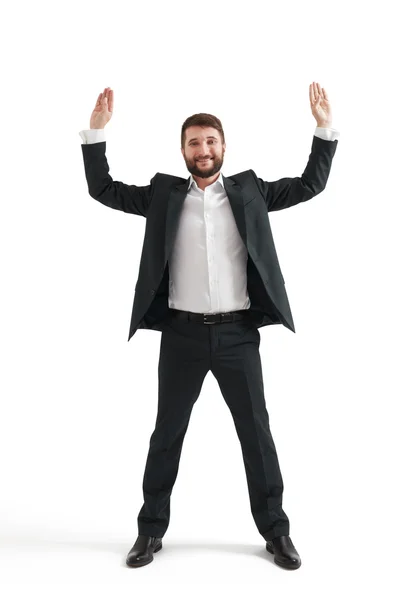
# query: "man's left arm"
{"points": [[289, 191]]}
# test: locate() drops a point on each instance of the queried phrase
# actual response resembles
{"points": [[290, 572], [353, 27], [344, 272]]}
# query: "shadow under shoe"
{"points": [[286, 555], [141, 552]]}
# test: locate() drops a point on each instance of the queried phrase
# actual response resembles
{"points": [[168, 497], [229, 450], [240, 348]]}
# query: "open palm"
{"points": [[320, 106], [103, 109]]}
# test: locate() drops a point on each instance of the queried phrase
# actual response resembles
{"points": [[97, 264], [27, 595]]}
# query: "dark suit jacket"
{"points": [[251, 200]]}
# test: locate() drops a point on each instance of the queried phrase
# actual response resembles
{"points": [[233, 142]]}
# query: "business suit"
{"points": [[190, 349]]}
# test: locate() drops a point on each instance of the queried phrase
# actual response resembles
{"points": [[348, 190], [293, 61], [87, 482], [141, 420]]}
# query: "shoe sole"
{"points": [[147, 562], [283, 565]]}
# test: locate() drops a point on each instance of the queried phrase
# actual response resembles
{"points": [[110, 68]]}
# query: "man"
{"points": [[209, 278]]}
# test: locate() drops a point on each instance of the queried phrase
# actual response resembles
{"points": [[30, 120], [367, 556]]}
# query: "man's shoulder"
{"points": [[243, 176], [245, 173], [167, 178]]}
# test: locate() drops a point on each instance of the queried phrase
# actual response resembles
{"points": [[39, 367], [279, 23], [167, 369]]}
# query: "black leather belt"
{"points": [[208, 319]]}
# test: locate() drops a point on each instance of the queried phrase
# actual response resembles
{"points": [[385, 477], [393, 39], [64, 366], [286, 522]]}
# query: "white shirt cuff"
{"points": [[327, 133], [92, 136]]}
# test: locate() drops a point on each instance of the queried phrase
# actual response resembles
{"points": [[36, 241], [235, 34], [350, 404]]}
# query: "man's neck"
{"points": [[204, 182]]}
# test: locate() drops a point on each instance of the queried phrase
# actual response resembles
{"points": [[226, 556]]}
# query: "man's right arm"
{"points": [[115, 194]]}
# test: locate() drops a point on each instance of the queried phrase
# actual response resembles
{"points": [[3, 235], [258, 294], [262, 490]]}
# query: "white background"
{"points": [[78, 403]]}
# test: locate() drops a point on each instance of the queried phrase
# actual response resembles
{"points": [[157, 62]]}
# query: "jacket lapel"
{"points": [[175, 204], [237, 200]]}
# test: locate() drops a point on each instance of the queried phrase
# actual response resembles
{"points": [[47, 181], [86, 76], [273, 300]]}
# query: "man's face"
{"points": [[203, 143]]}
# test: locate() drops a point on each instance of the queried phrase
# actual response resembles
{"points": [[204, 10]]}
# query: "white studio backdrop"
{"points": [[78, 403]]}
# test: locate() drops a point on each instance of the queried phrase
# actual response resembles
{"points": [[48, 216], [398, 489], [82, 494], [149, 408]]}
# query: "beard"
{"points": [[213, 166]]}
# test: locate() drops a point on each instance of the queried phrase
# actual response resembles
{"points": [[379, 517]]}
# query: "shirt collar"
{"points": [[192, 181]]}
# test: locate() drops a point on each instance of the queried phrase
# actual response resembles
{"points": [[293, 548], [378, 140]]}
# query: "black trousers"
{"points": [[188, 350]]}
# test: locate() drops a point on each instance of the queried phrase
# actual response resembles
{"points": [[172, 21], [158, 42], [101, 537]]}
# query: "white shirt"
{"points": [[207, 265]]}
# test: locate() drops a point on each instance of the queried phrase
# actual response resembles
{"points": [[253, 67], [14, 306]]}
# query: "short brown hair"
{"points": [[202, 120]]}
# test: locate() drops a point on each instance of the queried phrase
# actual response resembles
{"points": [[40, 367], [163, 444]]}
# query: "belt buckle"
{"points": [[208, 322]]}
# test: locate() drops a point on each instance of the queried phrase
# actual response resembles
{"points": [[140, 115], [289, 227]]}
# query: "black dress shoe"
{"points": [[286, 554], [141, 552]]}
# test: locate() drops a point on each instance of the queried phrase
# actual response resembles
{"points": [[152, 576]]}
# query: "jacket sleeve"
{"points": [[133, 199], [289, 191]]}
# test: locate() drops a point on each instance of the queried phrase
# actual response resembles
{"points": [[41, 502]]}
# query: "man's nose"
{"points": [[204, 150]]}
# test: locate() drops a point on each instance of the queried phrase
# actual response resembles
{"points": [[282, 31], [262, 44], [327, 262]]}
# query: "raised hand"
{"points": [[103, 110], [320, 106]]}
